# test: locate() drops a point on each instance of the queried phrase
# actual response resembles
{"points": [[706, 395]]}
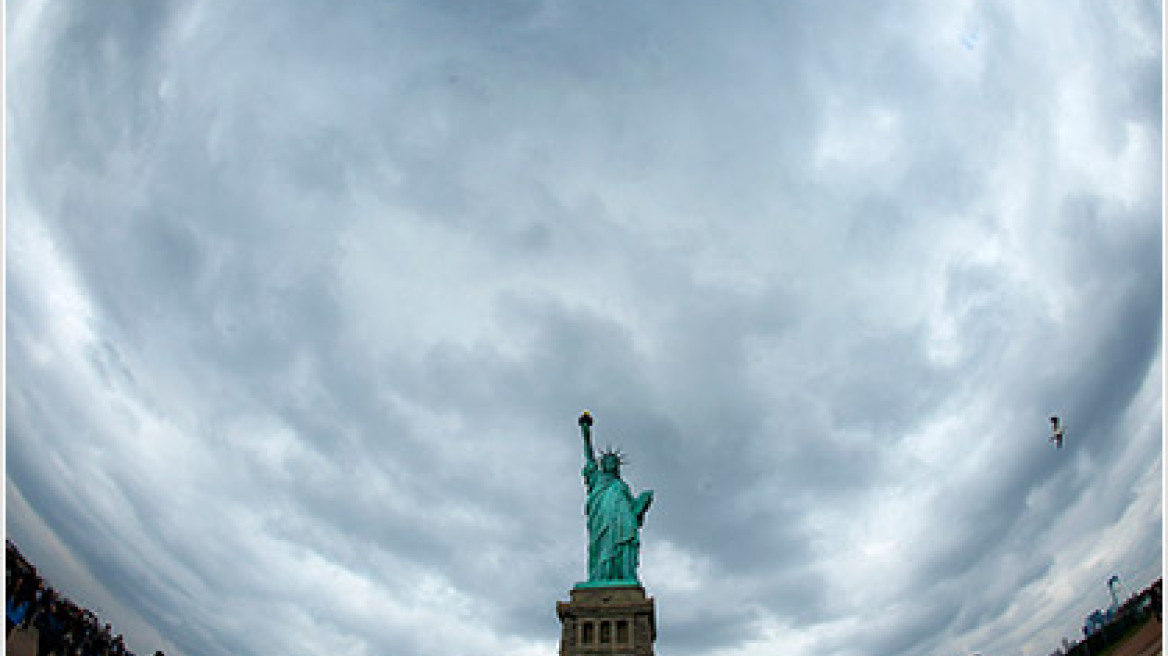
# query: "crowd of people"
{"points": [[63, 628]]}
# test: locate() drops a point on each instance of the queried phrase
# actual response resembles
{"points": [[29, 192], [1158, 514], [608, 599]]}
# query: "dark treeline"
{"points": [[62, 627]]}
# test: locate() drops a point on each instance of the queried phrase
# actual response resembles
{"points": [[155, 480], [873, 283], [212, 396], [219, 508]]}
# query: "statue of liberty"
{"points": [[614, 516]]}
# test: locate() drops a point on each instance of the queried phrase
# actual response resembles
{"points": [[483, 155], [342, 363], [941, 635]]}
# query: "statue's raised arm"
{"points": [[585, 422]]}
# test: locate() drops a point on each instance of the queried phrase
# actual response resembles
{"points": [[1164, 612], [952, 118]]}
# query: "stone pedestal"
{"points": [[607, 621]]}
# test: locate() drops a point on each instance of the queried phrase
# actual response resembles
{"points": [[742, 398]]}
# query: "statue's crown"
{"points": [[614, 453]]}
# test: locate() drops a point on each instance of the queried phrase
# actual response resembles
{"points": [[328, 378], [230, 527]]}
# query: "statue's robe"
{"points": [[614, 518]]}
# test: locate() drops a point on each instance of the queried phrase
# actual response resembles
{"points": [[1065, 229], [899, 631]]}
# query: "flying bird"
{"points": [[1056, 432]]}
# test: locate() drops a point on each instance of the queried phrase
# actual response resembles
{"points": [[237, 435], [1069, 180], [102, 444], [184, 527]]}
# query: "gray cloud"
{"points": [[302, 305]]}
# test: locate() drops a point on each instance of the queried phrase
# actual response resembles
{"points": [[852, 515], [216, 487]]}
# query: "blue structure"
{"points": [[1096, 621], [1100, 618], [1115, 588]]}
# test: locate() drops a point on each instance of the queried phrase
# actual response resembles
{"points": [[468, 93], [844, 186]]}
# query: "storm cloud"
{"points": [[303, 301]]}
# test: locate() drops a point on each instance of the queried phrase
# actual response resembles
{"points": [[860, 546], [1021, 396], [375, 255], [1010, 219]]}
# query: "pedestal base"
{"points": [[607, 620]]}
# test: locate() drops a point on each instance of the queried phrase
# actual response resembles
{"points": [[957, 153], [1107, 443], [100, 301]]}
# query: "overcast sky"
{"points": [[304, 298]]}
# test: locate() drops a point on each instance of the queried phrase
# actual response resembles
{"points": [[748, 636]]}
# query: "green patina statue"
{"points": [[614, 516]]}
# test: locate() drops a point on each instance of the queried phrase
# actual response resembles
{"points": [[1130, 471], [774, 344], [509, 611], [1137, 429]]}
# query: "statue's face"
{"points": [[609, 464]]}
